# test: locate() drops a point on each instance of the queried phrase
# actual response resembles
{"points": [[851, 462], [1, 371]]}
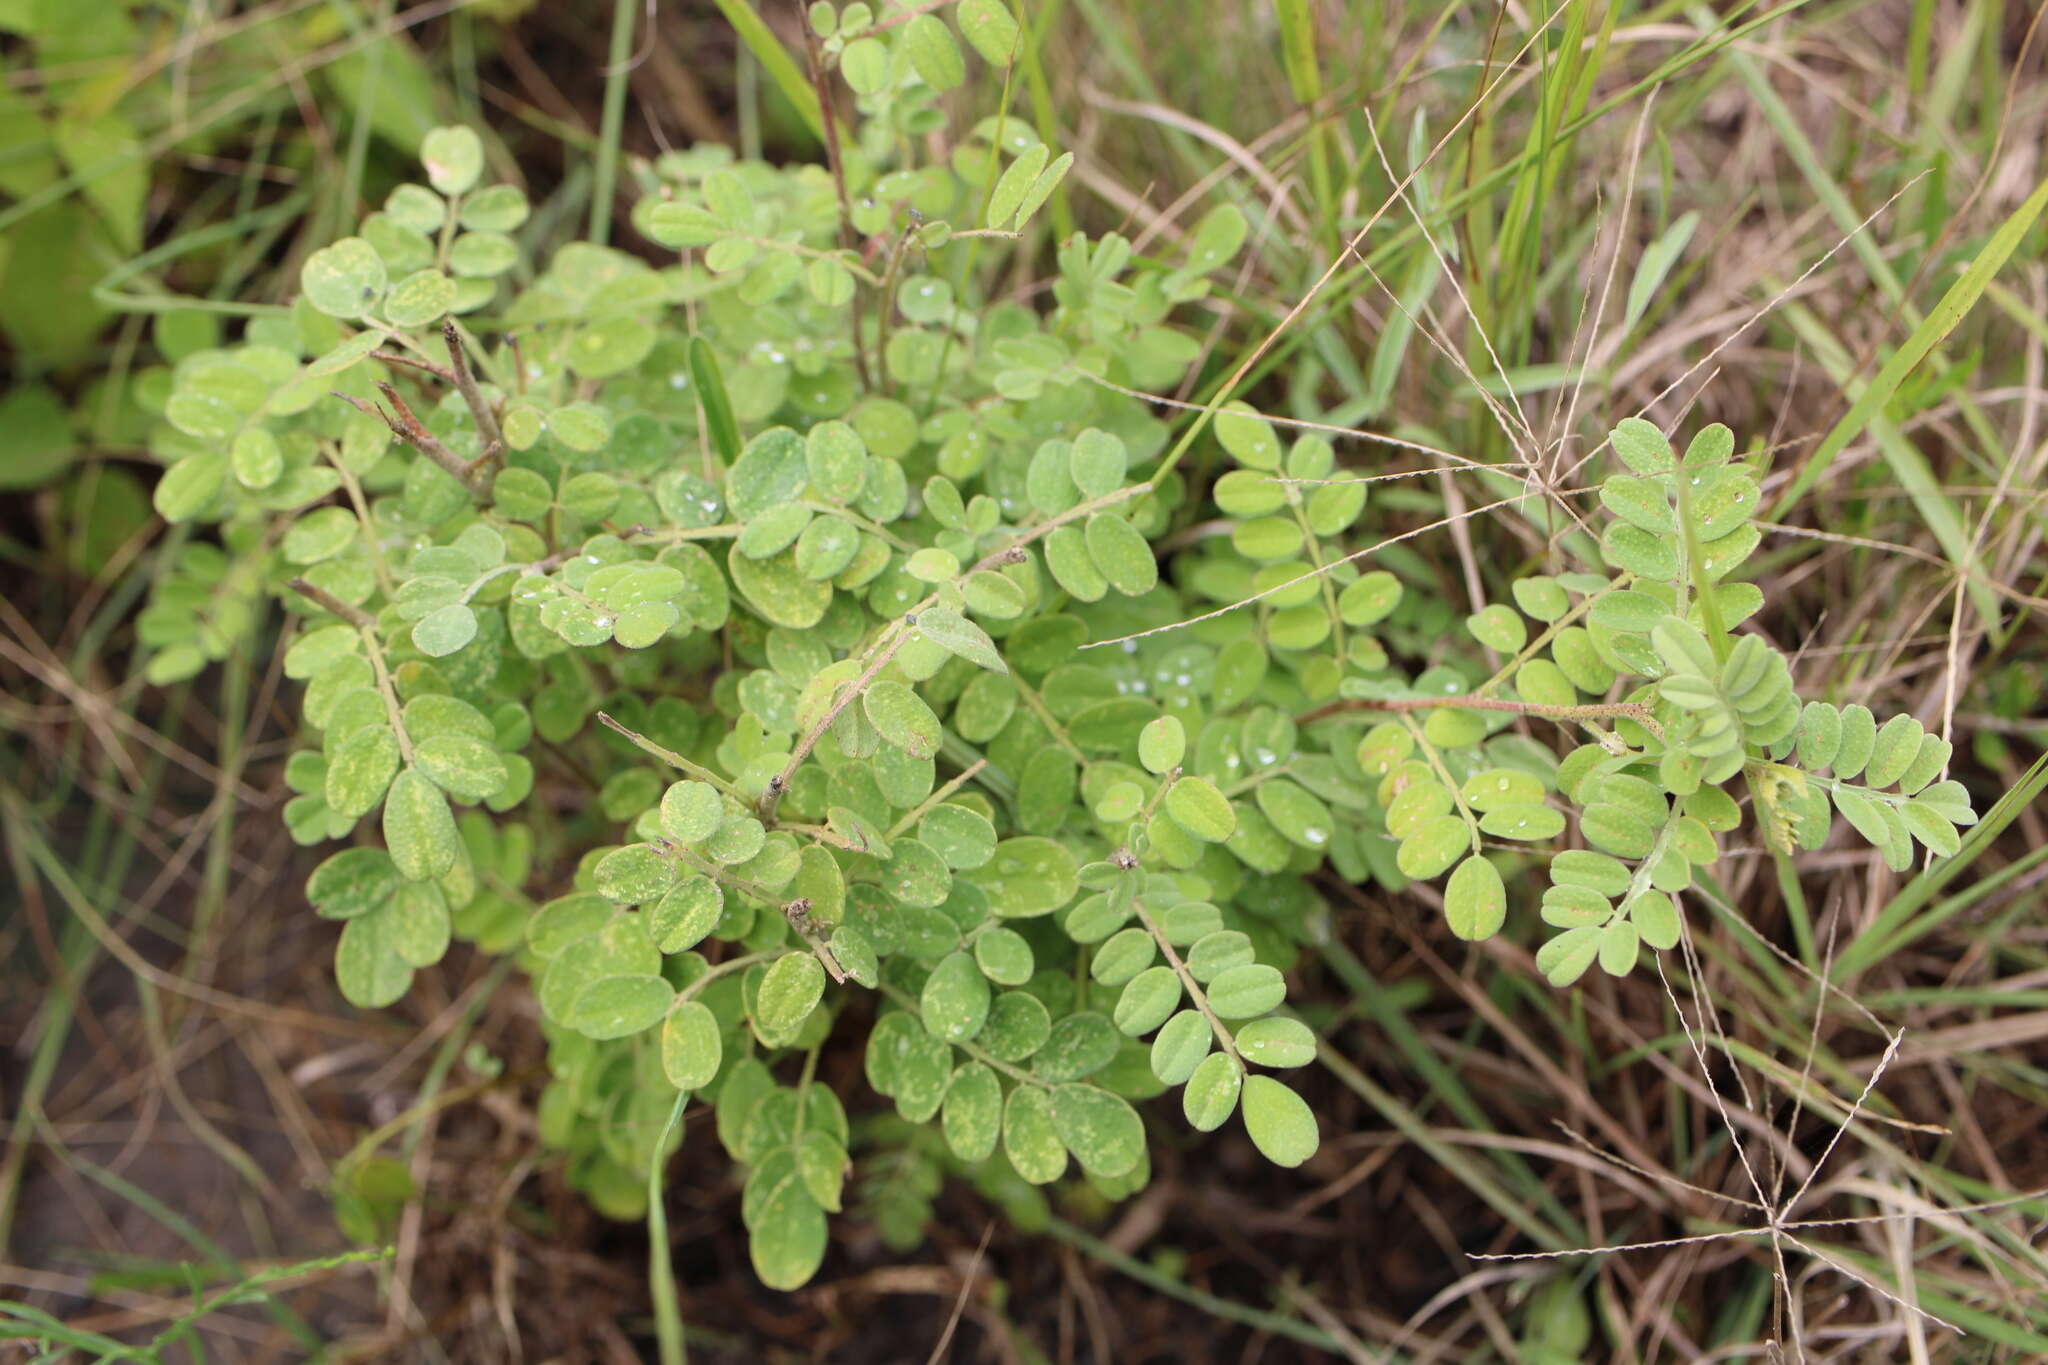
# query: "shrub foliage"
{"points": [[776, 641]]}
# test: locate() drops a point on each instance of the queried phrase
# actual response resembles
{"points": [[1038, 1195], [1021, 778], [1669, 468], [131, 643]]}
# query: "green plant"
{"points": [[795, 611]]}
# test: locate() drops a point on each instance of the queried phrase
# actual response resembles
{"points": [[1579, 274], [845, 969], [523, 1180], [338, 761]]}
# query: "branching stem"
{"points": [[366, 626], [671, 757], [1609, 710], [409, 429]]}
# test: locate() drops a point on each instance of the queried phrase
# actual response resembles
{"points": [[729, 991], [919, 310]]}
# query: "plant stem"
{"points": [[951, 786], [366, 626], [1628, 710], [472, 394], [848, 237], [1009, 554], [779, 783], [409, 429], [1188, 982], [672, 758]]}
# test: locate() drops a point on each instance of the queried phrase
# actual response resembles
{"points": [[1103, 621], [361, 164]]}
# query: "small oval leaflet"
{"points": [[691, 1046], [1212, 1091], [1197, 807], [1277, 1041], [619, 1006], [1280, 1122], [1245, 991], [956, 998], [1102, 1131], [1179, 1047], [789, 992], [1475, 899], [419, 829]]}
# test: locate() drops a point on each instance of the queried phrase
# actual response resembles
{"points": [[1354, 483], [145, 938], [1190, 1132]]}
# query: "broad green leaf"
{"points": [[987, 25], [1018, 1026], [933, 52], [1372, 598], [1073, 567], [685, 914], [1004, 956], [1655, 916], [360, 769], [1642, 503], [1498, 628], [1245, 991], [453, 158], [1204, 812], [1028, 876], [1276, 1041], [189, 485], [1102, 1131], [691, 811], [419, 298], [1031, 1140], [956, 998], [786, 1239], [344, 280], [421, 926], [1247, 436], [1181, 1044], [1642, 447], [1212, 1091], [1079, 1046], [366, 967], [902, 718], [1564, 959], [819, 881], [956, 634], [1147, 1000], [419, 829], [1015, 184], [634, 875], [465, 767], [1280, 1122], [1858, 741], [972, 1115], [353, 882], [1475, 899], [444, 630], [1619, 942], [1432, 847], [1161, 744], [789, 992], [1125, 955], [619, 1006]]}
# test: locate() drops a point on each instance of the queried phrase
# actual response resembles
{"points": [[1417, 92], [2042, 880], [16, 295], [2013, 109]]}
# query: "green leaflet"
{"points": [[419, 829], [790, 991], [1280, 1122]]}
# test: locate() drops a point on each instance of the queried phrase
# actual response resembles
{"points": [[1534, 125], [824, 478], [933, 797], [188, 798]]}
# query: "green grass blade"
{"points": [[1954, 305], [776, 61], [618, 66], [661, 1278]]}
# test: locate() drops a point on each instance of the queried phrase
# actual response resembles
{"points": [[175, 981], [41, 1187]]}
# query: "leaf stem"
{"points": [[1628, 710], [409, 429], [366, 626], [670, 757], [779, 783], [1188, 982], [472, 393]]}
